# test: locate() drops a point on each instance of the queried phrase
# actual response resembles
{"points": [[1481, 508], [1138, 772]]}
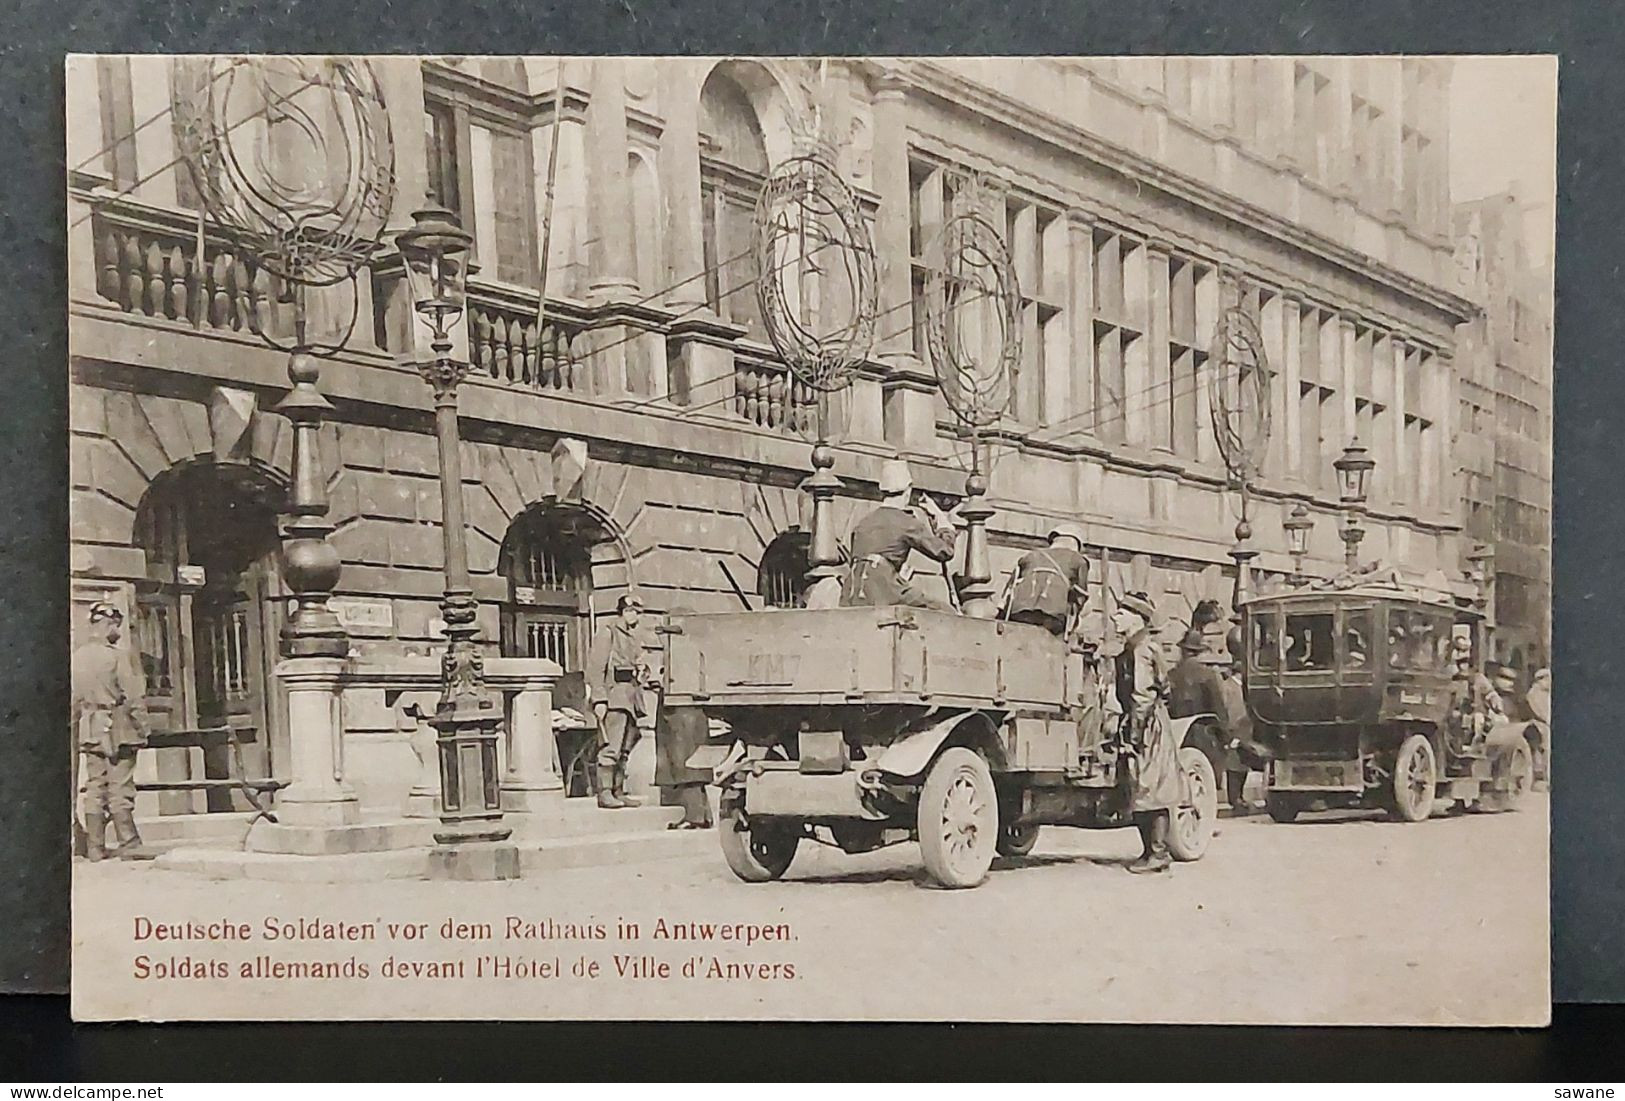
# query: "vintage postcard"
{"points": [[1019, 539]]}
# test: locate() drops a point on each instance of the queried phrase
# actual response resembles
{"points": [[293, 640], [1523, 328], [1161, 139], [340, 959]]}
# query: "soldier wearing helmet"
{"points": [[883, 540], [110, 725], [1050, 586]]}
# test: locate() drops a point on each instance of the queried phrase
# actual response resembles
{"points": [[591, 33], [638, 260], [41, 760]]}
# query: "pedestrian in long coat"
{"points": [[1159, 782], [679, 731]]}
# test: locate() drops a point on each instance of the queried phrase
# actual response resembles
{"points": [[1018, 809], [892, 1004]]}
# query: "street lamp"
{"points": [[435, 253], [1353, 472], [1298, 525]]}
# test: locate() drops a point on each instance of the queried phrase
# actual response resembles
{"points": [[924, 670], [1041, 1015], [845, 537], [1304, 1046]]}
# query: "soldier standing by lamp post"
{"points": [[435, 251]]}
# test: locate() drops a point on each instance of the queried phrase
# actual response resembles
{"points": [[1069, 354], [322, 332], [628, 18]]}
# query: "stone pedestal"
{"points": [[318, 794], [474, 860], [529, 766]]}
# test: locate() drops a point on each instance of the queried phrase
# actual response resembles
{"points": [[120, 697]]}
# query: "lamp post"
{"points": [[1297, 526], [1353, 473], [435, 252]]}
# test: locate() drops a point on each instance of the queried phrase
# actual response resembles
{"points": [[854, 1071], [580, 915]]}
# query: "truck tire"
{"points": [[756, 853], [1282, 807], [1416, 779], [1191, 828], [1016, 840], [1519, 774], [958, 819]]}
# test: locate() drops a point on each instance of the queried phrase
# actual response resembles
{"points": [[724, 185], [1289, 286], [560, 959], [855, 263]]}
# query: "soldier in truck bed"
{"points": [[883, 540], [1050, 585]]}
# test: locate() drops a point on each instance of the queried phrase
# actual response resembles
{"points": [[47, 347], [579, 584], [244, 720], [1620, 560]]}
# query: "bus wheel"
{"points": [[1192, 825], [759, 852], [958, 818], [1282, 807], [1519, 776], [1416, 778], [1016, 840]]}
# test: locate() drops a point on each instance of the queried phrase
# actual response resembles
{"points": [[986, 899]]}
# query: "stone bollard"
{"points": [[317, 794], [528, 755]]}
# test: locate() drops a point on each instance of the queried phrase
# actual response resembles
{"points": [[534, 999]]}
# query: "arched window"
{"points": [[648, 257], [733, 163], [781, 579], [547, 560]]}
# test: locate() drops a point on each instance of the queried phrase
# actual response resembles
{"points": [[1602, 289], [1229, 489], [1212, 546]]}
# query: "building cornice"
{"points": [[952, 89]]}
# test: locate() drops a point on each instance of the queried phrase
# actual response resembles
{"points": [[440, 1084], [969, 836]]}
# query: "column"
{"points": [[1350, 375], [1404, 484], [1342, 136], [613, 274], [1291, 385], [1157, 399], [317, 794], [400, 79], [1207, 327], [1334, 425], [910, 415], [1136, 357], [1081, 320], [680, 166], [1283, 80], [1272, 330]]}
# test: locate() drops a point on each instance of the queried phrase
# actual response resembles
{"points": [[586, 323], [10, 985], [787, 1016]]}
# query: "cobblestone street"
{"points": [[1336, 918]]}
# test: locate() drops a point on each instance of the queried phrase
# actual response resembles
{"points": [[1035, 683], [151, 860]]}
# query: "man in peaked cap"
{"points": [[109, 725], [1050, 585], [616, 675], [883, 540]]}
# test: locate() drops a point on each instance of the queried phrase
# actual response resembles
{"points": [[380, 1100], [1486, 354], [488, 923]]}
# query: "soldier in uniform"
{"points": [[109, 726], [1050, 586], [1194, 687], [1476, 700], [1159, 784], [883, 540], [616, 676]]}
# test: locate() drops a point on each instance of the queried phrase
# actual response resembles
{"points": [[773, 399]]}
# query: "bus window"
{"points": [[1357, 628], [1400, 627], [1266, 641], [1309, 642]]}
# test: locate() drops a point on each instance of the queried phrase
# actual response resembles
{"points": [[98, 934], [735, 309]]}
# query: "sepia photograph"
{"points": [[1054, 539]]}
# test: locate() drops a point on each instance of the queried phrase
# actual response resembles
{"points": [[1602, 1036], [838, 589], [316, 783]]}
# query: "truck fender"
{"points": [[910, 756], [1503, 736], [1181, 728]]}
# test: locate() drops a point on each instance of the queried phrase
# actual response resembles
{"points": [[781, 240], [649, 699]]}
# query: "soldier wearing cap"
{"points": [[110, 725], [616, 675], [883, 540], [1050, 585], [1158, 782]]}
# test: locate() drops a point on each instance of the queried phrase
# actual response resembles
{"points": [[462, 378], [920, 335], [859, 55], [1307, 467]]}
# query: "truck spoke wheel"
{"points": [[1192, 825], [958, 818]]}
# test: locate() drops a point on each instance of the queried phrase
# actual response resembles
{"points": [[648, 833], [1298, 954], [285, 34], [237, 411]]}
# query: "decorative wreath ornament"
{"points": [[973, 310], [292, 157], [1240, 404], [815, 272]]}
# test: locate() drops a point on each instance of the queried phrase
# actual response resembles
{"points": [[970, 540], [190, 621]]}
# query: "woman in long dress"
{"points": [[1159, 783]]}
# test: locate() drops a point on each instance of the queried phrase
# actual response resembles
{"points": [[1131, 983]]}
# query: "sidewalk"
{"points": [[576, 835]]}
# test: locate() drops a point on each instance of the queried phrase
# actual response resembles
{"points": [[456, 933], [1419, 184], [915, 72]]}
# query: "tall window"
{"points": [[440, 147], [1035, 236], [1177, 408], [547, 560], [504, 203], [733, 164], [1119, 331]]}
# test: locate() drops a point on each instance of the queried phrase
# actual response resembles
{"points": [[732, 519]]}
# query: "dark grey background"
{"points": [[1588, 865]]}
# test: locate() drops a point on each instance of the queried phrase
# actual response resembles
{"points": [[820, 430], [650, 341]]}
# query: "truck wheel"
{"points": [[1016, 840], [757, 853], [1192, 825], [1519, 776], [958, 819], [1416, 778], [1282, 807]]}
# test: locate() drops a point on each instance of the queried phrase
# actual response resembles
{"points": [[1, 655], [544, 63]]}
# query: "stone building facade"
{"points": [[638, 432], [1504, 445]]}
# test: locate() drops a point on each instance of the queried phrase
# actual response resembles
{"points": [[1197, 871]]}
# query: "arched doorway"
{"points": [[781, 578], [207, 614], [547, 559]]}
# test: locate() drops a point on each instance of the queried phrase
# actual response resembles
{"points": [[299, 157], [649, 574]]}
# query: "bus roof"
{"points": [[1378, 584]]}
